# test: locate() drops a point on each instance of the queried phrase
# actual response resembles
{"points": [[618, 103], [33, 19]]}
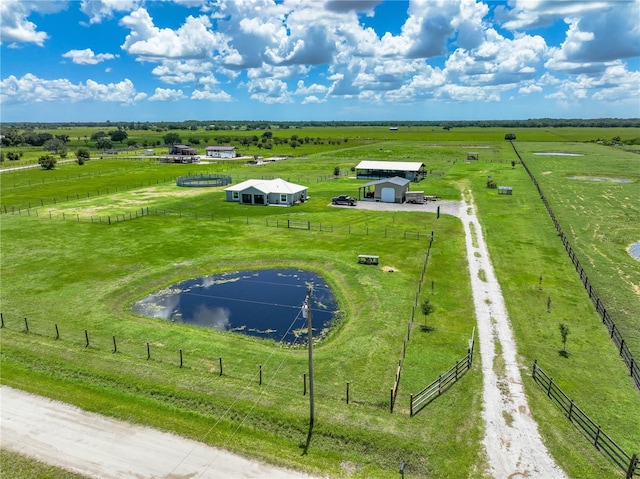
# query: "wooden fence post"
{"points": [[391, 402], [181, 358], [115, 347], [148, 352], [26, 325], [220, 361], [570, 410], [57, 332], [86, 337], [304, 384], [347, 392], [411, 405], [632, 466], [1, 321]]}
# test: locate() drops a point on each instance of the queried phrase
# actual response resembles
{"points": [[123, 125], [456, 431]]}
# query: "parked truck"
{"points": [[343, 200]]}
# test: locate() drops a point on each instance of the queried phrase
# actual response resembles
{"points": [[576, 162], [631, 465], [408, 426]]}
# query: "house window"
{"points": [[283, 198], [236, 195]]}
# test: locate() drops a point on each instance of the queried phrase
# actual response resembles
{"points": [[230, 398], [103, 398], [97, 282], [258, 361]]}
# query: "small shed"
{"points": [[505, 190], [388, 190], [220, 151]]}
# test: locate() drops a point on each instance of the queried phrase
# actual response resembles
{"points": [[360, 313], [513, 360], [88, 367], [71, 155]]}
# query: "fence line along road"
{"points": [[614, 332], [601, 441]]}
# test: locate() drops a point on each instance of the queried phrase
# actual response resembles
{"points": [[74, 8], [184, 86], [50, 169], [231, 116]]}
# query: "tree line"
{"points": [[217, 125]]}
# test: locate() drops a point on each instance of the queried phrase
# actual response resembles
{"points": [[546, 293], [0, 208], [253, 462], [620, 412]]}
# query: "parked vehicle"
{"points": [[414, 197], [343, 200]]}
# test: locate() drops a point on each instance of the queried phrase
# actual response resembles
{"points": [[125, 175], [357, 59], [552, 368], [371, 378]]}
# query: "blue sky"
{"points": [[296, 60]]}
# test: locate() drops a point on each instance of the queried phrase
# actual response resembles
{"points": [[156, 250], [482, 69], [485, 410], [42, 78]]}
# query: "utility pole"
{"points": [[306, 313]]}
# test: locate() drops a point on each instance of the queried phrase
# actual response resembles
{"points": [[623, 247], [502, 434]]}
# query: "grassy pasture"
{"points": [[85, 276], [321, 139]]}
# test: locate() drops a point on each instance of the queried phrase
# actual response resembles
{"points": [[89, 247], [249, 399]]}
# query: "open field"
{"points": [[83, 275]]}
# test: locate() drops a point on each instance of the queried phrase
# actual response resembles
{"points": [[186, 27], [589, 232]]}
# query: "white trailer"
{"points": [[416, 197]]}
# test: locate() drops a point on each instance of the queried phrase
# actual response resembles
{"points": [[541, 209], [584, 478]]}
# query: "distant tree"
{"points": [[36, 139], [336, 171], [510, 136], [13, 156], [194, 141], [118, 135], [54, 145], [98, 134], [267, 134], [47, 162], [11, 138], [82, 155], [171, 139], [564, 332], [513, 163], [104, 144]]}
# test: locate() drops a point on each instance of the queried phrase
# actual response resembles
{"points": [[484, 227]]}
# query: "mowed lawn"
{"points": [[83, 277]]}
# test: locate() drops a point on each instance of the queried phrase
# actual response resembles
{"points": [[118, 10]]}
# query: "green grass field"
{"points": [[61, 266]]}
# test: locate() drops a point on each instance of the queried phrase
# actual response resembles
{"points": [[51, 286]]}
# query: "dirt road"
{"points": [[95, 446]]}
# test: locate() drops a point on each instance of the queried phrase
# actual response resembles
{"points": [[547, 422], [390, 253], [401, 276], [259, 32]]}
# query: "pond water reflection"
{"points": [[261, 303]]}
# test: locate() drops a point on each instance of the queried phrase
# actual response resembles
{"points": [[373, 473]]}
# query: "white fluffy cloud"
{"points": [[193, 40], [14, 23], [98, 10], [166, 94], [217, 96], [31, 89], [278, 52], [87, 57]]}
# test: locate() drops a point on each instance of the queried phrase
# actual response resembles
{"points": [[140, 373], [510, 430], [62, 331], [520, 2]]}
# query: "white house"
{"points": [[266, 192], [221, 151]]}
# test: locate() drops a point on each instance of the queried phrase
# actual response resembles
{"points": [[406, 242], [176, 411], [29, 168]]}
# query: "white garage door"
{"points": [[388, 195]]}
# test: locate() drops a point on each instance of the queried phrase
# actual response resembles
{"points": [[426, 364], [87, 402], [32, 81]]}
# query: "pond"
{"points": [[634, 250], [260, 303]]}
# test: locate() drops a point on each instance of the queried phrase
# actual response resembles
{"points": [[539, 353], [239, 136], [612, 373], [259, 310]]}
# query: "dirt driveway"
{"points": [[95, 446]]}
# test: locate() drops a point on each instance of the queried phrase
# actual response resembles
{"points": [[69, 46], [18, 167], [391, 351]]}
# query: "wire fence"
{"points": [[405, 342], [298, 224], [601, 441], [614, 331], [232, 371]]}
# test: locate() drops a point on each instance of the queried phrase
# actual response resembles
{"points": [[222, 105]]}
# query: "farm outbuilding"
{"points": [[267, 192], [182, 150], [388, 190], [220, 151], [411, 170]]}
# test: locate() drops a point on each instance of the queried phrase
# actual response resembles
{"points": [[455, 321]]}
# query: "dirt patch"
{"points": [[600, 179], [389, 269]]}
